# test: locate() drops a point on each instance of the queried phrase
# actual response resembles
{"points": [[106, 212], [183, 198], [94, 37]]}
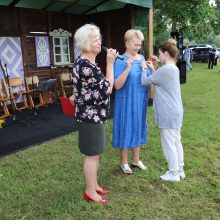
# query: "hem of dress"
{"points": [[130, 147]]}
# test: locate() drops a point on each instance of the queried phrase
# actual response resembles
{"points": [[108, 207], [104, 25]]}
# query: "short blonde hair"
{"points": [[84, 36], [132, 33]]}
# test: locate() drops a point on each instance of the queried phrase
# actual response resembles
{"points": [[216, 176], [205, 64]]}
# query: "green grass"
{"points": [[46, 181]]}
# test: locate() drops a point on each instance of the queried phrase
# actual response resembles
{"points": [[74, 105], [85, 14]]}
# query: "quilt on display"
{"points": [[11, 58], [42, 51]]}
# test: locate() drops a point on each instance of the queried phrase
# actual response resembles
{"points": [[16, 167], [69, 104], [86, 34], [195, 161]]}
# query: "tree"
{"points": [[192, 17], [216, 23], [217, 40]]}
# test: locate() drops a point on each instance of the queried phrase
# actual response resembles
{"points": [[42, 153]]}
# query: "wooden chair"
{"points": [[31, 85], [4, 97], [17, 87], [65, 80]]}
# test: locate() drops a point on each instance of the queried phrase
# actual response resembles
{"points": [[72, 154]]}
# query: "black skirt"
{"points": [[92, 138]]}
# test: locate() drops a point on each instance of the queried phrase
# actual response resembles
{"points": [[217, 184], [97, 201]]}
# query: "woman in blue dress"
{"points": [[131, 98]]}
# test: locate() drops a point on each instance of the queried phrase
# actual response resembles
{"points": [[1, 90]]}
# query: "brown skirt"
{"points": [[92, 138]]}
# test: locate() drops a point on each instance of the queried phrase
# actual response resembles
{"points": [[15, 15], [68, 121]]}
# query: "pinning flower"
{"points": [[1, 122]]}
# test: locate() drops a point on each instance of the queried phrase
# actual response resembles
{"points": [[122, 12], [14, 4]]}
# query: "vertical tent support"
{"points": [[150, 21], [150, 49]]}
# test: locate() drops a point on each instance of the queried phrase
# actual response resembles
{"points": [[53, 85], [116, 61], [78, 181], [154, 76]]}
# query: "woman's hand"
{"points": [[128, 63], [150, 65], [111, 56], [154, 60], [120, 80]]}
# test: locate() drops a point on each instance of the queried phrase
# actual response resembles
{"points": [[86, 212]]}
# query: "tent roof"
{"points": [[75, 6]]}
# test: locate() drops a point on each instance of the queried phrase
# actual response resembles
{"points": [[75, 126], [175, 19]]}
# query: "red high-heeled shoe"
{"points": [[103, 191], [89, 199]]}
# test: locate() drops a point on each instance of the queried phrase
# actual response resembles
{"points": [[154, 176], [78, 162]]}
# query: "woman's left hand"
{"points": [[150, 65]]}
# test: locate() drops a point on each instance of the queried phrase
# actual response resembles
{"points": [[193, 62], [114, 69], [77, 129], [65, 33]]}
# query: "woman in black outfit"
{"points": [[92, 91]]}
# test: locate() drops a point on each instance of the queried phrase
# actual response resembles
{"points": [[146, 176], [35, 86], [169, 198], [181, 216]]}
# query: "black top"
{"points": [[92, 92], [212, 53]]}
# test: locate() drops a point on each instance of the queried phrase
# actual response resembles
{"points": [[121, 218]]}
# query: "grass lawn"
{"points": [[46, 181]]}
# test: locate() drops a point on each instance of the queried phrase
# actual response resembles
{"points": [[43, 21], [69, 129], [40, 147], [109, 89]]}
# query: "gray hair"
{"points": [[84, 36]]}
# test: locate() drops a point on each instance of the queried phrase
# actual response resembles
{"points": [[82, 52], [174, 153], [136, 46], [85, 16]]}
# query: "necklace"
{"points": [[136, 57]]}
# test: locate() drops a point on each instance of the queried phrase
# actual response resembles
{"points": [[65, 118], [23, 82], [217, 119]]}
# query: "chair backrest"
{"points": [[16, 81], [65, 77], [29, 80], [65, 84], [3, 89]]}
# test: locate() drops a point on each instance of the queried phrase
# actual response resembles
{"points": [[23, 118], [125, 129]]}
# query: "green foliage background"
{"points": [[198, 20]]}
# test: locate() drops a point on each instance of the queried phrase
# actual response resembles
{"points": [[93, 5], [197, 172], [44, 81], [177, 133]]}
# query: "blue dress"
{"points": [[130, 123]]}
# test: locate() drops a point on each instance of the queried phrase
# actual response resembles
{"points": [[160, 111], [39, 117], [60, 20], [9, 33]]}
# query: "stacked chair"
{"points": [[18, 91], [22, 94], [65, 84], [31, 85], [4, 98]]}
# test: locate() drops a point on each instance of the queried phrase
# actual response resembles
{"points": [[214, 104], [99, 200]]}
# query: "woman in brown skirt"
{"points": [[92, 91]]}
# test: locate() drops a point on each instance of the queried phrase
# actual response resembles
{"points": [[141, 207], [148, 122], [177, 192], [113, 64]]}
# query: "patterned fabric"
{"points": [[42, 51], [91, 91], [10, 54], [11, 59]]}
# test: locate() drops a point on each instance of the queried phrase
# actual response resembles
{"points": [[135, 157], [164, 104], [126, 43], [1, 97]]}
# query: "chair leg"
{"points": [[25, 101], [15, 105], [41, 99], [31, 100], [24, 106], [5, 110]]}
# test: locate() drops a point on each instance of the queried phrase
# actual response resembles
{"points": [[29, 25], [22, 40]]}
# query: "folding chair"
{"points": [[17, 88], [31, 85], [65, 81], [4, 97]]}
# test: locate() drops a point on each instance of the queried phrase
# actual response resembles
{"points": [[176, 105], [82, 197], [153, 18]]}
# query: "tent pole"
{"points": [[150, 44], [150, 24]]}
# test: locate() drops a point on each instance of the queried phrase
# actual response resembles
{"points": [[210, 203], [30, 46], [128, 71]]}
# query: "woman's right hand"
{"points": [[111, 56], [128, 63], [110, 59]]}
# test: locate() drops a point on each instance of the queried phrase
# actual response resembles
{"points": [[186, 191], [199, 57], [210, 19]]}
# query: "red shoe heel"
{"points": [[89, 199], [103, 191]]}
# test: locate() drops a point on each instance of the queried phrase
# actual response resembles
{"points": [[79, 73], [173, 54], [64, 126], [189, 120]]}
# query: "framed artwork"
{"points": [[42, 51]]}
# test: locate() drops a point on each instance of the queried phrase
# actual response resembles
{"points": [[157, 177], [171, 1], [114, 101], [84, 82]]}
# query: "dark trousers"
{"points": [[215, 61], [211, 63]]}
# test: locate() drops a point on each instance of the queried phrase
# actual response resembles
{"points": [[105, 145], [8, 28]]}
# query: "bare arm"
{"points": [[145, 80], [120, 80], [111, 55]]}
